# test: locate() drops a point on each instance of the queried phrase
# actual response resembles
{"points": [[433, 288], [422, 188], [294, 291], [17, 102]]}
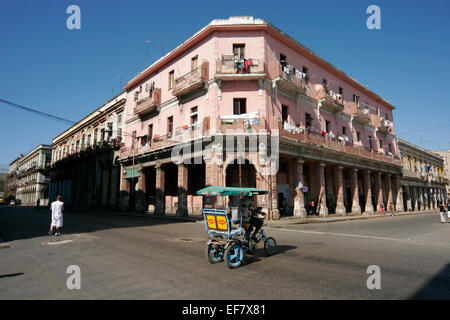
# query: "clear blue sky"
{"points": [[69, 73]]}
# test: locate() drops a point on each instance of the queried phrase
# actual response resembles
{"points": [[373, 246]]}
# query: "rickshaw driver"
{"points": [[247, 208]]}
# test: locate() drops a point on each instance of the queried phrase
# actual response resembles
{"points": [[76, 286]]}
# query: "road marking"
{"points": [[57, 242], [187, 239], [360, 236], [338, 234]]}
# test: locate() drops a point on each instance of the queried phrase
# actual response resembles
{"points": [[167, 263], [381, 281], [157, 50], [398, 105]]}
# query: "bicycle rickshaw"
{"points": [[227, 237]]}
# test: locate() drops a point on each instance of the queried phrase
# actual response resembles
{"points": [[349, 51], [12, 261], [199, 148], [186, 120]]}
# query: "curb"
{"points": [[284, 220], [290, 220]]}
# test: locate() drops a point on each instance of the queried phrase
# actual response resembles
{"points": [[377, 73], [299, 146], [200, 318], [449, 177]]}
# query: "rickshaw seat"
{"points": [[217, 223]]}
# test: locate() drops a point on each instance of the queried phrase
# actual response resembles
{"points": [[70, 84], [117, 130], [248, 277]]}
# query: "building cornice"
{"points": [[92, 117], [406, 145], [34, 152], [251, 24]]}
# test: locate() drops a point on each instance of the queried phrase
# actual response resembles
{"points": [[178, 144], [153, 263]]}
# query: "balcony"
{"points": [[328, 99], [335, 144], [191, 81], [178, 136], [359, 114], [228, 68], [245, 123], [148, 104], [382, 125], [291, 82]]}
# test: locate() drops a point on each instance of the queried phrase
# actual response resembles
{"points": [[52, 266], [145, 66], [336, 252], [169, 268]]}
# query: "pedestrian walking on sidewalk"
{"points": [[443, 213], [57, 208]]}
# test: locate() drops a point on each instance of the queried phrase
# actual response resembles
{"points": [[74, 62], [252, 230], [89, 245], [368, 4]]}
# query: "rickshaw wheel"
{"points": [[214, 254], [234, 255], [270, 246]]}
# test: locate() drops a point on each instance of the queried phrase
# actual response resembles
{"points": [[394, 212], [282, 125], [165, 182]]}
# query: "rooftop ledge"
{"points": [[250, 20]]}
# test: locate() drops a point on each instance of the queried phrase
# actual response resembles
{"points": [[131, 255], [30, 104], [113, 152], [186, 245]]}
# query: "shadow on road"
{"points": [[261, 255], [11, 275], [29, 222], [438, 288]]}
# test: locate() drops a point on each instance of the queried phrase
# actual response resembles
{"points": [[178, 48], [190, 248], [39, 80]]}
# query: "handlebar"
{"points": [[258, 210]]}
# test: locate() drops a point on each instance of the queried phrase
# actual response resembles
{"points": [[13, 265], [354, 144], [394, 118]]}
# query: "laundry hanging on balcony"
{"points": [[291, 128], [247, 64], [239, 64], [300, 74], [251, 117]]}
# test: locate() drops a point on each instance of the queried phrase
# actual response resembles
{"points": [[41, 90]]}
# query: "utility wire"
{"points": [[426, 129], [37, 112]]}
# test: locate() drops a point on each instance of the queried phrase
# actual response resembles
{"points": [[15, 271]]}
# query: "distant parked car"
{"points": [[3, 200], [17, 202]]}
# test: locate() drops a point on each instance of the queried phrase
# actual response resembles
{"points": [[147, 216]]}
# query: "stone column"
{"points": [[124, 191], [299, 200], [105, 187], [378, 190], [436, 197], [399, 194], [182, 190], [114, 187], [425, 198], [421, 199], [389, 193], [274, 192], [430, 199], [356, 208], [91, 185], [323, 212], [140, 193], [340, 207], [408, 199], [368, 209], [415, 198], [160, 201], [98, 183], [329, 185]]}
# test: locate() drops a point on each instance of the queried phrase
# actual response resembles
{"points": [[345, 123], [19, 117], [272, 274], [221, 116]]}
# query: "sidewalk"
{"points": [[332, 218], [283, 220]]}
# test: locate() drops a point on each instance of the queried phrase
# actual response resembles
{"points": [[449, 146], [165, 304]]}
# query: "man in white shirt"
{"points": [[57, 208]]}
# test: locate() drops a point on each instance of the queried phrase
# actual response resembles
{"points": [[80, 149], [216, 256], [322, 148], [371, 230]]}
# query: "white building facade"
{"points": [[33, 177]]}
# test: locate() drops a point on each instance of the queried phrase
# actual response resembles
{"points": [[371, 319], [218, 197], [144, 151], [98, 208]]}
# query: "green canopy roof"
{"points": [[229, 191]]}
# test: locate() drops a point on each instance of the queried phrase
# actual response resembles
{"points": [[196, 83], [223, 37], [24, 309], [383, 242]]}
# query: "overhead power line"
{"points": [[425, 129], [37, 112]]}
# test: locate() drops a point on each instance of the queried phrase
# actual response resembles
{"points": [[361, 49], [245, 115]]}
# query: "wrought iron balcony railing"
{"points": [[228, 68]]}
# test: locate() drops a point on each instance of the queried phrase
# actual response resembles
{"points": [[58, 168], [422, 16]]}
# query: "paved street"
{"points": [[123, 257]]}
